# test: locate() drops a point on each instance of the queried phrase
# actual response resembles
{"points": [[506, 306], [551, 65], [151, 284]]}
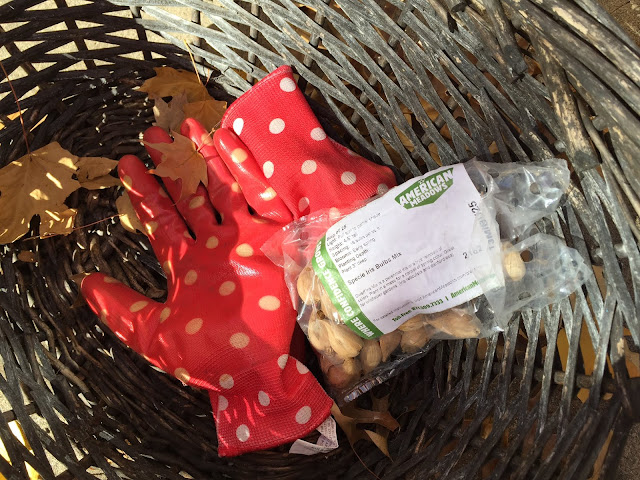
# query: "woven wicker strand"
{"points": [[414, 84]]}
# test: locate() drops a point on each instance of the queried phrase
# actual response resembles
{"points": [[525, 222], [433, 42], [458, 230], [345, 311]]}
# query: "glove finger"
{"points": [[196, 209], [224, 192], [164, 226], [257, 190], [308, 169], [129, 314]]}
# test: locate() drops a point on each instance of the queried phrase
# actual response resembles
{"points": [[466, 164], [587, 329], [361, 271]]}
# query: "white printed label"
{"points": [[411, 251], [327, 441]]}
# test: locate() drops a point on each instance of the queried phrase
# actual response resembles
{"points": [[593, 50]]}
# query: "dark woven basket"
{"points": [[410, 83]]}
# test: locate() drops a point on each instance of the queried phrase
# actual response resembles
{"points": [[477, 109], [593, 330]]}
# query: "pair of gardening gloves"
{"points": [[228, 325]]}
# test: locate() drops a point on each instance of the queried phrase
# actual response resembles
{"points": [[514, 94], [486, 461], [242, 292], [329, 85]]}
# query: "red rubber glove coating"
{"points": [[227, 323], [308, 170]]}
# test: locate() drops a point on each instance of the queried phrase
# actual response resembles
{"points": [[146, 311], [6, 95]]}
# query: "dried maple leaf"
{"points": [[380, 441], [93, 172], [37, 184], [170, 115], [27, 256], [180, 160], [57, 223], [207, 112], [360, 415], [349, 417], [348, 425], [128, 217], [169, 82]]}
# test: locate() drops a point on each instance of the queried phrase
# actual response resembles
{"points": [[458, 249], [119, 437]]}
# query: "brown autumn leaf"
{"points": [[93, 172], [207, 112], [381, 404], [37, 184], [349, 417], [128, 217], [380, 441], [169, 82], [27, 256], [360, 415], [348, 425], [599, 463], [78, 277], [58, 223], [169, 116], [181, 160]]}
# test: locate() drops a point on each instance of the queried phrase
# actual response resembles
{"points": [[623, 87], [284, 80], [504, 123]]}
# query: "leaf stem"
{"points": [[42, 237], [24, 130], [193, 61]]}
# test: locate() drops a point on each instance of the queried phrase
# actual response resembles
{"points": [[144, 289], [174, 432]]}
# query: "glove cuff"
{"points": [[275, 403]]}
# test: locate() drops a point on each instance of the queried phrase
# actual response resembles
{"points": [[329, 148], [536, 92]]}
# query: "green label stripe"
{"points": [[339, 293], [426, 190]]}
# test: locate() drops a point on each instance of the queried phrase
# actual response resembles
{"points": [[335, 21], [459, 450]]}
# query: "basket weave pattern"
{"points": [[413, 84]]}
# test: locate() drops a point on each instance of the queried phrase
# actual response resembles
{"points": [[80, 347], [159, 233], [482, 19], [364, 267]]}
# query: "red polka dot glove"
{"points": [[227, 323], [308, 170]]}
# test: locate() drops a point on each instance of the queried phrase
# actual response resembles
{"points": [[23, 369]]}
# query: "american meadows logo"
{"points": [[426, 190]]}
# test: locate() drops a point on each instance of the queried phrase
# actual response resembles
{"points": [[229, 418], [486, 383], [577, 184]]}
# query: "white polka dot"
{"points": [[239, 340], [205, 139], [191, 277], [239, 155], [193, 326], [334, 213], [302, 368], [196, 202], [103, 315], [244, 250], [267, 169], [303, 415], [318, 134], [352, 153], [269, 302], [235, 187], [242, 433], [238, 123], [382, 189], [226, 381], [212, 242], [309, 166], [303, 203], [164, 314], [182, 374], [263, 398], [282, 361], [227, 288], [348, 178], [137, 306], [268, 194], [162, 193], [287, 85], [166, 266], [276, 125], [223, 403]]}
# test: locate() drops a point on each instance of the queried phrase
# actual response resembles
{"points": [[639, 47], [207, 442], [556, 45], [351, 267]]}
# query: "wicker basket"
{"points": [[412, 83]]}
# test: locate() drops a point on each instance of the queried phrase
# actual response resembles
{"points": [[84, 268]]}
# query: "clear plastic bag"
{"points": [[499, 268]]}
